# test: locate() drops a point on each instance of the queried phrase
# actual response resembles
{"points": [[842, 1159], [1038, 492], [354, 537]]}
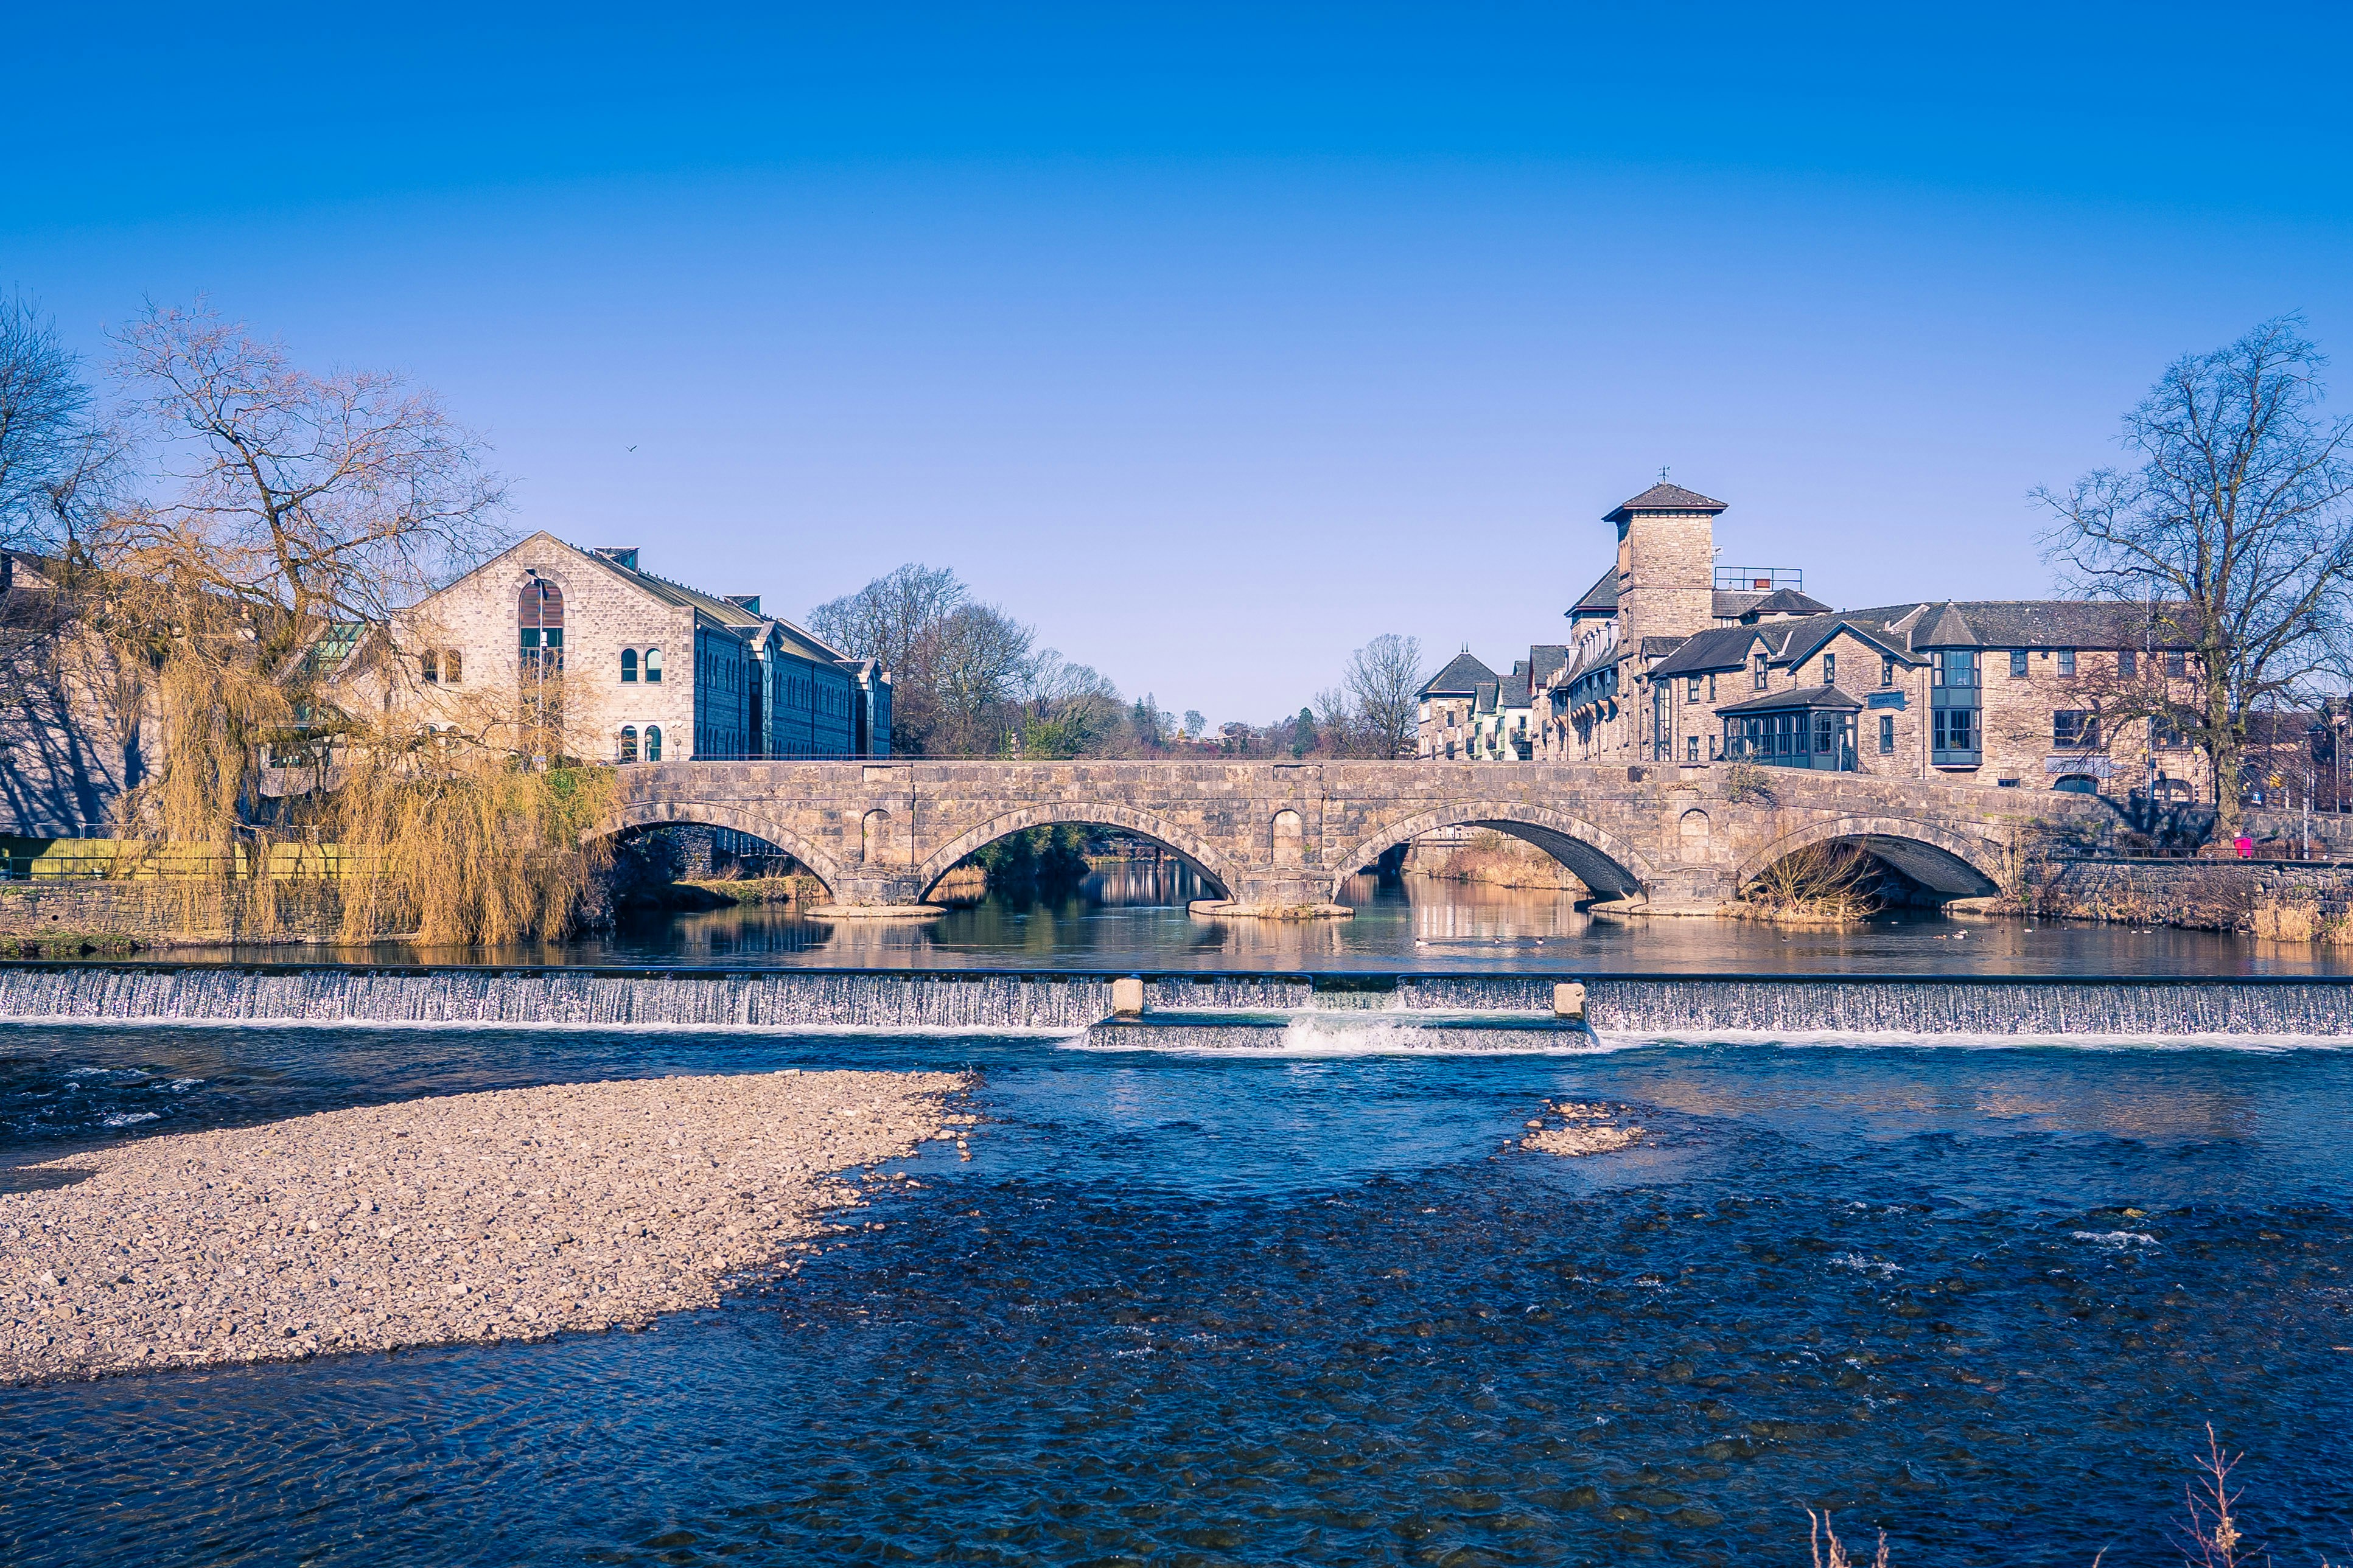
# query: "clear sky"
{"points": [[1216, 340]]}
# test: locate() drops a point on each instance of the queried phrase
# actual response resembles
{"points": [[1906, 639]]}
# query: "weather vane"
{"points": [[1663, 473]]}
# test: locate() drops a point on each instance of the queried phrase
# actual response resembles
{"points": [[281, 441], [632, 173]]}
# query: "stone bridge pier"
{"points": [[1277, 838]]}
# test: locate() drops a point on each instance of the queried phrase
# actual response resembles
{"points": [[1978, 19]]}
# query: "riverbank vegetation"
{"points": [[230, 553]]}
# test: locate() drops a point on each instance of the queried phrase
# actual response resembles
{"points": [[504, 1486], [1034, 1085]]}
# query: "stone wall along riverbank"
{"points": [[507, 1214]]}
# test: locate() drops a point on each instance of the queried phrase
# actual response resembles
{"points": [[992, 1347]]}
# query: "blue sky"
{"points": [[1216, 340]]}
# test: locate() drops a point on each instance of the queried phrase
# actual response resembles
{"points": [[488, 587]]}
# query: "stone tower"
{"points": [[1666, 564]]}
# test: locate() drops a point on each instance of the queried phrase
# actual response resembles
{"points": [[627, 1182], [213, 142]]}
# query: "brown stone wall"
{"points": [[2018, 712], [603, 614], [1666, 575], [2212, 895], [154, 913], [883, 833]]}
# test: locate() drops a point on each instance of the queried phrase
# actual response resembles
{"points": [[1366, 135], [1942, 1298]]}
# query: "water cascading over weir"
{"points": [[1179, 1008]]}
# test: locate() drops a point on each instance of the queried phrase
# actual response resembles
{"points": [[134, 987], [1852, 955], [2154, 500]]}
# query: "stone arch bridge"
{"points": [[1273, 836]]}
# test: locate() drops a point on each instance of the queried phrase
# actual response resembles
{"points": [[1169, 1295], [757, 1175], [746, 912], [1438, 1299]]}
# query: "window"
{"points": [[653, 742], [1691, 689], [629, 665], [2127, 663], [1886, 670], [1690, 748], [2018, 664], [2177, 662], [539, 616], [2167, 736], [1955, 732], [1760, 672], [629, 742], [429, 666], [1955, 669], [2074, 727], [1829, 669], [1886, 735], [453, 667], [1826, 728], [2066, 661], [1710, 693]]}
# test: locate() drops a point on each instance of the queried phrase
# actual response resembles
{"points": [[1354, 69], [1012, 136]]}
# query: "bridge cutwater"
{"points": [[1281, 837]]}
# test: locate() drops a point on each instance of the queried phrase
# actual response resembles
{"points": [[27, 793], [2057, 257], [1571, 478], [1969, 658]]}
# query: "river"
{"points": [[1315, 1305]]}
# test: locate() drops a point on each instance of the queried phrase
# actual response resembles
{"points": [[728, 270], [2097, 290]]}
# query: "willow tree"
{"points": [[295, 518], [2230, 526]]}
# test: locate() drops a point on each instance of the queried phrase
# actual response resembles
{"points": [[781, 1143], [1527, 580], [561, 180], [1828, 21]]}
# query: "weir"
{"points": [[1068, 1000]]}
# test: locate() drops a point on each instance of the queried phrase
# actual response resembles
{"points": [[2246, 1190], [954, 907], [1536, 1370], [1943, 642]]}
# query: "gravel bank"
{"points": [[508, 1215]]}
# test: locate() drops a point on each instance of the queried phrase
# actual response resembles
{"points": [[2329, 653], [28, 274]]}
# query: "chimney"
{"points": [[750, 601], [622, 556]]}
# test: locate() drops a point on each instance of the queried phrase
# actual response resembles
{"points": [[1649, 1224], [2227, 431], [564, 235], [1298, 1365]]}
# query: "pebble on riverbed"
{"points": [[1590, 1131], [500, 1216]]}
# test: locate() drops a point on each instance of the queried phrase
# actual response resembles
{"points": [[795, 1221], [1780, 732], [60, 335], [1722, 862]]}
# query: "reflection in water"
{"points": [[1133, 916], [1178, 1309]]}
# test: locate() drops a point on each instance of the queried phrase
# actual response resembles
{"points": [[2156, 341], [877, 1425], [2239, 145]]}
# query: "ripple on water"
{"points": [[1181, 1310]]}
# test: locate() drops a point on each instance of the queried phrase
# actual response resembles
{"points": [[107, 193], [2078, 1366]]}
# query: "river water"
{"points": [[1220, 1307], [1135, 917], [1291, 1293]]}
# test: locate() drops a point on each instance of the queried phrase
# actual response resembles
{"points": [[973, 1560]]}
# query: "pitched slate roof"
{"points": [[1461, 678], [1717, 648], [1511, 691], [720, 610], [1602, 595], [1787, 602], [1664, 497], [1800, 697], [1546, 659]]}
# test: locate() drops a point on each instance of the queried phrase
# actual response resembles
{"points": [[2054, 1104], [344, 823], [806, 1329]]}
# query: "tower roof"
{"points": [[1664, 497]]}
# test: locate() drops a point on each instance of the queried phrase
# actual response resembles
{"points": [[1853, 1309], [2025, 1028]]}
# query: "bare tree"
{"points": [[975, 663], [886, 619], [303, 499], [2231, 527], [58, 460], [300, 514], [1383, 682]]}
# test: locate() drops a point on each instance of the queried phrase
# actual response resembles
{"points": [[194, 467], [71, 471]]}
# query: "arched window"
{"points": [[653, 742], [429, 667], [539, 618], [628, 664], [453, 668], [629, 742], [653, 664]]}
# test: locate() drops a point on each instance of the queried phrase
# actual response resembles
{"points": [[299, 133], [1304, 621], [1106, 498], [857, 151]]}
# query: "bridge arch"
{"points": [[1957, 865], [1212, 867], [1602, 861], [634, 815]]}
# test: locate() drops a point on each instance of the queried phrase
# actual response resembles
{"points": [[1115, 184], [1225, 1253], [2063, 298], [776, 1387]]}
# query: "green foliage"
{"points": [[1036, 859]]}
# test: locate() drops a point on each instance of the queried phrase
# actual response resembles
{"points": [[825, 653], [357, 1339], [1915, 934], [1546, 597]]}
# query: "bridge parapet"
{"points": [[1276, 834]]}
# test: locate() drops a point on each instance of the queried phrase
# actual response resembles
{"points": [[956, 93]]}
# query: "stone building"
{"points": [[1673, 659], [650, 671], [77, 728], [1467, 710]]}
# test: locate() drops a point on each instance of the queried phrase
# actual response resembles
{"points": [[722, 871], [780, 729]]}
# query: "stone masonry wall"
{"points": [[1686, 838], [603, 614], [149, 913], [2207, 895]]}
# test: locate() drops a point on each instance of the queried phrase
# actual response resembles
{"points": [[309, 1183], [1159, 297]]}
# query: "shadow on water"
{"points": [[1199, 1309]]}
